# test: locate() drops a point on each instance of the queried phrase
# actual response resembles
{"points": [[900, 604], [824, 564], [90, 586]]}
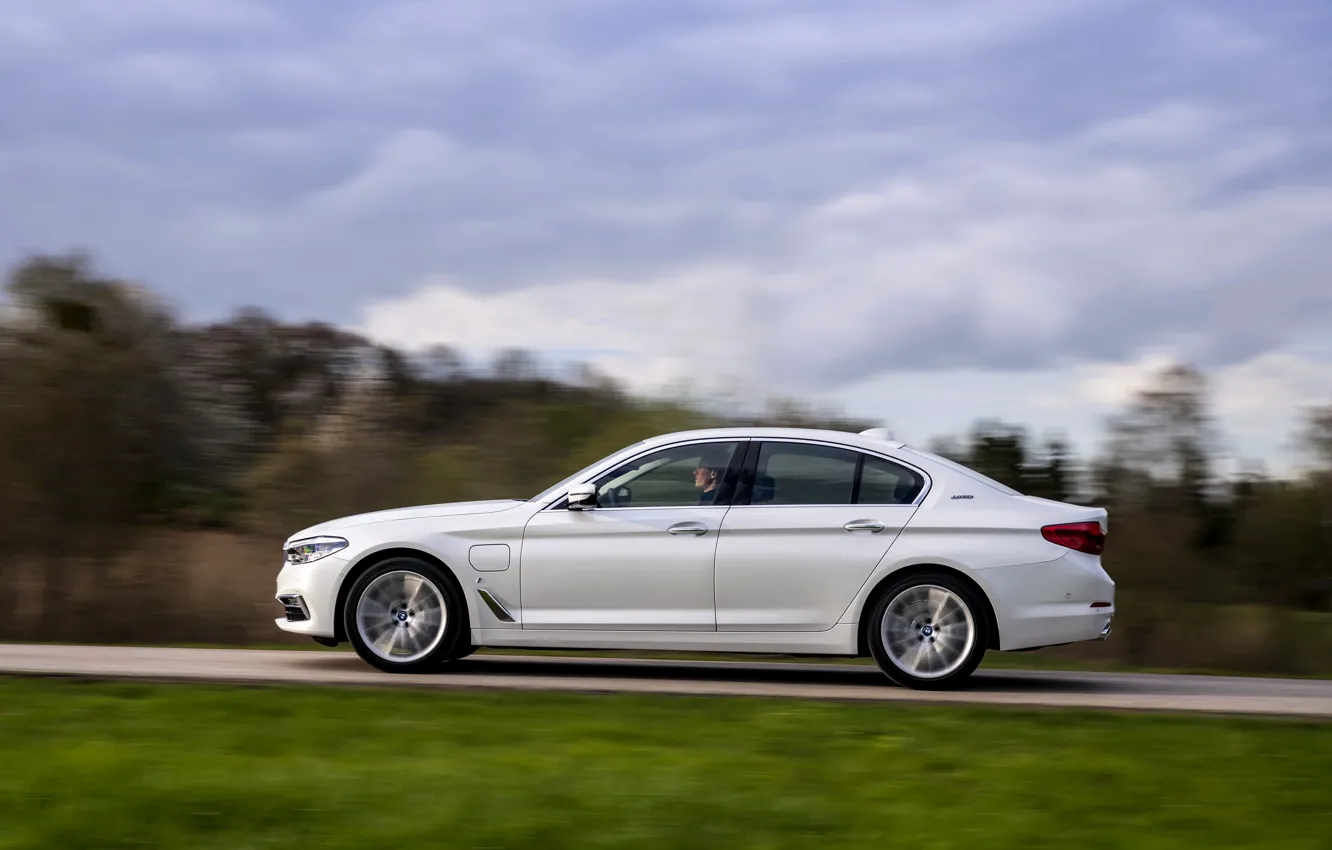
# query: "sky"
{"points": [[918, 213]]}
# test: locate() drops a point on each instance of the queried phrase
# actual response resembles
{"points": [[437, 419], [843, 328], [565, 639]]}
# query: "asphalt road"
{"points": [[1218, 694]]}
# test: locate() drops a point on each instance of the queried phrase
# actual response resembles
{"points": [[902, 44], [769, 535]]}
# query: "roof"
{"points": [[875, 438]]}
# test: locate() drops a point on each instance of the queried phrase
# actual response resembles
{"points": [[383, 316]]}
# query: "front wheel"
{"points": [[929, 631], [405, 616]]}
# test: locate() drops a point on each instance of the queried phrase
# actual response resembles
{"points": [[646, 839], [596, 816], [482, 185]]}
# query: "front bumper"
{"points": [[308, 596]]}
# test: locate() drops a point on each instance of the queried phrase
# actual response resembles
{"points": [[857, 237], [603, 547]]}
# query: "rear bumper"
{"points": [[1056, 625], [1050, 603]]}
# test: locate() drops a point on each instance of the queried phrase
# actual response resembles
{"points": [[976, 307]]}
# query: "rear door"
{"points": [[809, 524]]}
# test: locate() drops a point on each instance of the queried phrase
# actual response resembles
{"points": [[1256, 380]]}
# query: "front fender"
{"points": [[450, 541]]}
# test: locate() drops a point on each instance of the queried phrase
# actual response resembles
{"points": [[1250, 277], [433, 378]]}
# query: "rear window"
{"points": [[959, 468]]}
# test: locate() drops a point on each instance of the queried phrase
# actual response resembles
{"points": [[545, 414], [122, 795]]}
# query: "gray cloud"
{"points": [[997, 184]]}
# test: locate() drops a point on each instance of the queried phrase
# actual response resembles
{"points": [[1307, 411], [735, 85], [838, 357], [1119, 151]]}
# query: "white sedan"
{"points": [[758, 540]]}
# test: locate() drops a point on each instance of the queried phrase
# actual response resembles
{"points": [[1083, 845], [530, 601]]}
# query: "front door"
{"points": [[810, 524], [642, 559]]}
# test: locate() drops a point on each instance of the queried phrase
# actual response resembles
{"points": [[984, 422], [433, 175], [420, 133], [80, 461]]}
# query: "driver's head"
{"points": [[710, 468]]}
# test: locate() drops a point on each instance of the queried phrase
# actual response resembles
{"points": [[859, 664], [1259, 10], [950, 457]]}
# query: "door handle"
{"points": [[864, 525], [688, 528]]}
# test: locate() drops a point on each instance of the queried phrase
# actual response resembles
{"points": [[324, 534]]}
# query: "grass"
{"points": [[120, 765]]}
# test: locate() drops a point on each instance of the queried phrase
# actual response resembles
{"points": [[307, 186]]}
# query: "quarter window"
{"points": [[883, 482]]}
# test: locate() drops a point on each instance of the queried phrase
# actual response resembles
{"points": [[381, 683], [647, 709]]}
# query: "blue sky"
{"points": [[921, 212]]}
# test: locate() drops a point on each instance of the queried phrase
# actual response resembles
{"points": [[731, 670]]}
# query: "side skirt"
{"points": [[839, 640]]}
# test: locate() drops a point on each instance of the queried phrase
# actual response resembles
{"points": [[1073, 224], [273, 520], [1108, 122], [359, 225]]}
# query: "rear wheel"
{"points": [[406, 616], [929, 631]]}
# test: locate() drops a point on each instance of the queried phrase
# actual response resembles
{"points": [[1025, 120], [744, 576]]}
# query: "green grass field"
{"points": [[118, 765]]}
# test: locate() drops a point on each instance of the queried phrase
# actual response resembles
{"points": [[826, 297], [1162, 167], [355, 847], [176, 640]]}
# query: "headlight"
{"points": [[312, 549]]}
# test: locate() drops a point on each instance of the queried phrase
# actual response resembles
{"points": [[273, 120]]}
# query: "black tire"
{"points": [[437, 649], [963, 655]]}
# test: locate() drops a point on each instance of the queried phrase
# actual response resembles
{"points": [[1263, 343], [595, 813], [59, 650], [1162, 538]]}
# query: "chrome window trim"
{"points": [[920, 497], [653, 508], [611, 463], [836, 505]]}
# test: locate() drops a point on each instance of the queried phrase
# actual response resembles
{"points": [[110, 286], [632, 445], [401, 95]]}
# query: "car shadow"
{"points": [[774, 672]]}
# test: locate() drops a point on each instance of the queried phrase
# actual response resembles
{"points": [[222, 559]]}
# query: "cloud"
{"points": [[796, 196], [1273, 383], [1113, 385], [1022, 256]]}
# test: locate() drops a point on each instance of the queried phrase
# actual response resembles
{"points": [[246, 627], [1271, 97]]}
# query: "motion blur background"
{"points": [[275, 262]]}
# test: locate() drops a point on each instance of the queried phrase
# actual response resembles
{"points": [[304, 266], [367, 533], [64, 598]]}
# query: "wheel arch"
{"points": [[369, 561], [862, 629]]}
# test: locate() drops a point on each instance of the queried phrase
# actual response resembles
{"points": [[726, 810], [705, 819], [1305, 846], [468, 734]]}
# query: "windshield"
{"points": [[554, 489]]}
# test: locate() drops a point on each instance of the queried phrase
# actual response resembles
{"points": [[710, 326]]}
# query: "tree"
{"points": [[1052, 476], [999, 451], [949, 447], [277, 376], [1162, 446], [103, 433], [1317, 436], [515, 364]]}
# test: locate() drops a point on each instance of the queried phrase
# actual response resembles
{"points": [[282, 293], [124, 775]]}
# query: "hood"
{"points": [[420, 512]]}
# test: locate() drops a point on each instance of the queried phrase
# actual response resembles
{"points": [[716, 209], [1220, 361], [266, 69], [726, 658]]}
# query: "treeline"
{"points": [[124, 431]]}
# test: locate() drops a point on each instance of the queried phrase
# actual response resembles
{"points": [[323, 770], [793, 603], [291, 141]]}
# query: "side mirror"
{"points": [[582, 497]]}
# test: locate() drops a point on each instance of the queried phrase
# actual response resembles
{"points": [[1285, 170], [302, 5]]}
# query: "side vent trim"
{"points": [[496, 607]]}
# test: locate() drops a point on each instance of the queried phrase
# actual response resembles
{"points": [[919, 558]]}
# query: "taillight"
{"points": [[1082, 536]]}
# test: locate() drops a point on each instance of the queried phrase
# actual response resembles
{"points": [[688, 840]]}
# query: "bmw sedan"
{"points": [[759, 540]]}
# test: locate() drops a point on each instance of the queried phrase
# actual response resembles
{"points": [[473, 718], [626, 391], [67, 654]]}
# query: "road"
{"points": [[1217, 694]]}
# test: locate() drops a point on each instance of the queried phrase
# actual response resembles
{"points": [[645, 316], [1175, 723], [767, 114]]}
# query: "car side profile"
{"points": [[753, 540]]}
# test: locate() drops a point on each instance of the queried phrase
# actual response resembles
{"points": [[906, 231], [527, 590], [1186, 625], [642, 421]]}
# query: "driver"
{"points": [[708, 475]]}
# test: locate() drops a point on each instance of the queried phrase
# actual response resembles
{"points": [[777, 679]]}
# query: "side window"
{"points": [[883, 482], [801, 474], [679, 476]]}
